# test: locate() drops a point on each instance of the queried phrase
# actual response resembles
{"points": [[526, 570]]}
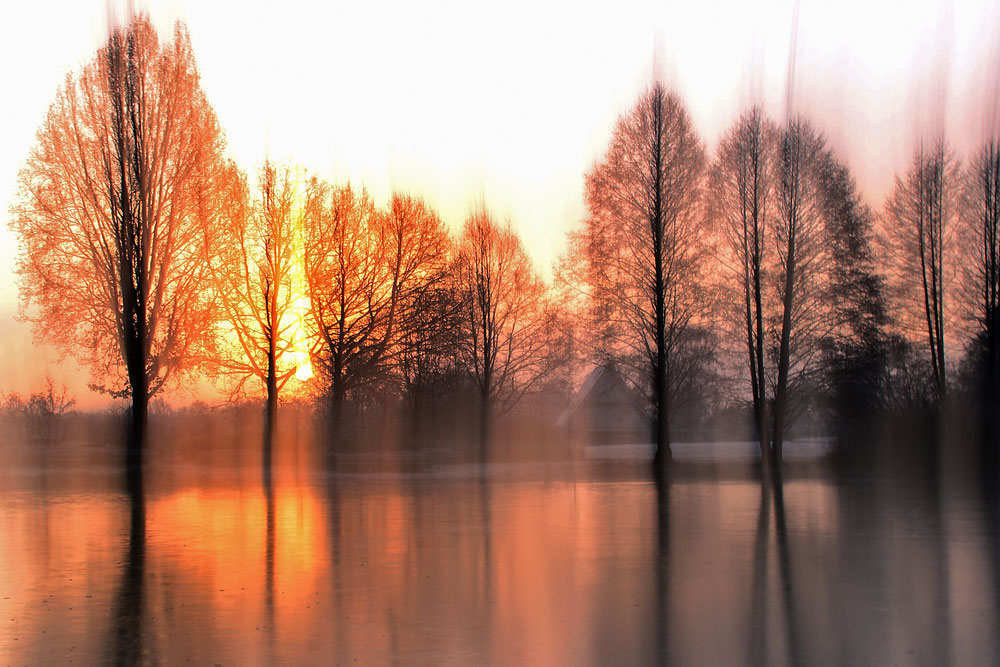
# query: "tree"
{"points": [[344, 277], [858, 348], [774, 200], [369, 272], [981, 213], [802, 271], [644, 244], [742, 182], [257, 264], [110, 215], [507, 329], [919, 214]]}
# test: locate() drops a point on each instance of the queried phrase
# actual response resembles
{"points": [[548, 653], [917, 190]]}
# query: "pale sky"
{"points": [[510, 103]]}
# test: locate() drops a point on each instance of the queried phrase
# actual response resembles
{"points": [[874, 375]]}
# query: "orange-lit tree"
{"points": [[366, 271], [112, 201], [256, 260], [508, 330], [644, 245], [343, 274]]}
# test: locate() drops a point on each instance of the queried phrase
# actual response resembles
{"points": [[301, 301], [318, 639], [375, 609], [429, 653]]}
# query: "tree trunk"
{"points": [[271, 414], [137, 419], [337, 408], [485, 426], [784, 352], [663, 455], [784, 349]]}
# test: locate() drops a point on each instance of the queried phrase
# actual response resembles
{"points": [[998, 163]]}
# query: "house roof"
{"points": [[607, 400]]}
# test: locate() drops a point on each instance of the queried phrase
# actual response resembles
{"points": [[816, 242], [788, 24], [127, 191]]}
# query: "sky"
{"points": [[508, 104]]}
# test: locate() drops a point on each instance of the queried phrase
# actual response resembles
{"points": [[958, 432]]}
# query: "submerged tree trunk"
{"points": [[485, 426], [337, 405], [271, 415]]}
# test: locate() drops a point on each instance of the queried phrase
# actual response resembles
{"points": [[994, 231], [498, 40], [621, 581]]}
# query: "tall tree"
{"points": [[644, 243], [507, 330], [344, 276], [981, 212], [857, 347], [919, 214], [742, 181], [110, 211], [257, 263], [802, 270]]}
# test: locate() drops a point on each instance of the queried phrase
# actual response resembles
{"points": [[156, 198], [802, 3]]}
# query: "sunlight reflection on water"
{"points": [[563, 567]]}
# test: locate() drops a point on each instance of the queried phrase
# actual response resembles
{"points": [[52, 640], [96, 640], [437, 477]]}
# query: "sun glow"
{"points": [[300, 352]]}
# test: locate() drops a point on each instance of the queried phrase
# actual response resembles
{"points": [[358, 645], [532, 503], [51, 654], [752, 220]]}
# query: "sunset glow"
{"points": [[427, 98], [473, 333]]}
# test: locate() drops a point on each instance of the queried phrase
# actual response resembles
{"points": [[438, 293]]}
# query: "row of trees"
{"points": [[756, 276], [149, 254], [768, 253]]}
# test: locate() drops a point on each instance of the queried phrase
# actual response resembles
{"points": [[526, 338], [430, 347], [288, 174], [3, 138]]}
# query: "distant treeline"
{"points": [[754, 282]]}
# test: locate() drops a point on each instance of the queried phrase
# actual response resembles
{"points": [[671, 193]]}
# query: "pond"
{"points": [[528, 564]]}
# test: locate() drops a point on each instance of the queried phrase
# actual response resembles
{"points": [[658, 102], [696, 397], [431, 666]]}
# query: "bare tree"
{"points": [[644, 243], [257, 263], [802, 270], [109, 217], [344, 275], [368, 271], [981, 212], [769, 202], [508, 331], [919, 214], [741, 184]]}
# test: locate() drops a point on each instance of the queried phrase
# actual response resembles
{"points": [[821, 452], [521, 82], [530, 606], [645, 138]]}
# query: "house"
{"points": [[605, 411]]}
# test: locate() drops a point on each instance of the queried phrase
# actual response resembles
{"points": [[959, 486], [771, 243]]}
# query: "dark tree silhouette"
{"points": [[802, 271], [981, 210], [857, 348], [644, 244], [767, 199], [112, 201], [919, 213], [508, 331], [741, 185]]}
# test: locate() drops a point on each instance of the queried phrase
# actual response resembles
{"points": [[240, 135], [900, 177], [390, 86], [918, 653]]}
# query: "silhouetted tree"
{"points": [[428, 361], [257, 263], [802, 272], [644, 245], [918, 216], [508, 332], [857, 348], [109, 216], [741, 185], [981, 213]]}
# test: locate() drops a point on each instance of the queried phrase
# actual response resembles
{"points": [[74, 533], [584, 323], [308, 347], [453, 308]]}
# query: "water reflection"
{"points": [[128, 612], [529, 567]]}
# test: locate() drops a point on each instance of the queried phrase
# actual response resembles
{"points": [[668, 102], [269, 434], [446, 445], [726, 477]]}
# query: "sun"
{"points": [[302, 342]]}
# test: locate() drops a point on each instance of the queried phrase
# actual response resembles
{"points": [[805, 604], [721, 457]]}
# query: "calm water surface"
{"points": [[530, 565]]}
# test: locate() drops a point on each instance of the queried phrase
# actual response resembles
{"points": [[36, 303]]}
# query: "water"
{"points": [[531, 565]]}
